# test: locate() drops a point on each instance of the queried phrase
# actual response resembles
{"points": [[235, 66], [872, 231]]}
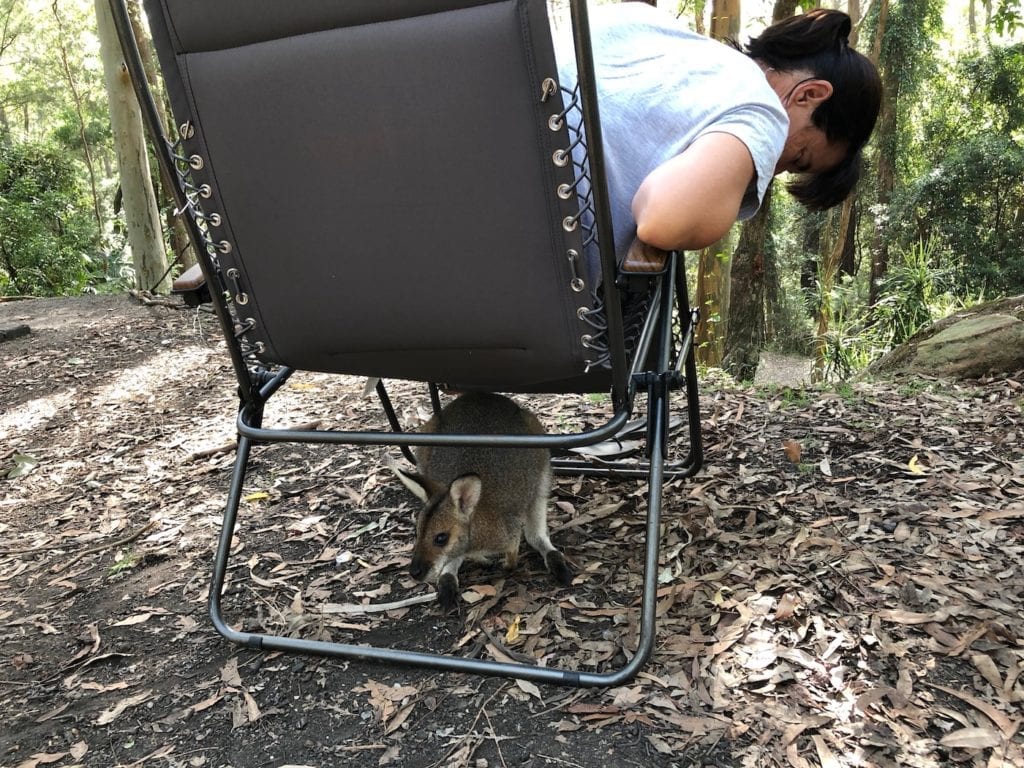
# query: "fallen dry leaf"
{"points": [[42, 758], [107, 716], [972, 738]]}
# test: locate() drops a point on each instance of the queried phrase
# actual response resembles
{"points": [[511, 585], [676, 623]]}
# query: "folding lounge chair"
{"points": [[390, 190]]}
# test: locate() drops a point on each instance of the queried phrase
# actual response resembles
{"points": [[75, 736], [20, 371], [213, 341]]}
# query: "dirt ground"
{"points": [[840, 585]]}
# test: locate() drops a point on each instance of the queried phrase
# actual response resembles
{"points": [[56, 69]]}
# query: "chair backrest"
{"points": [[378, 178]]}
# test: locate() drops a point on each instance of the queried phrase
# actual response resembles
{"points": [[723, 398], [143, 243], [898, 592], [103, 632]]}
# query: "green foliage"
{"points": [[915, 293], [47, 235], [968, 197], [909, 298], [1008, 17], [850, 345]]}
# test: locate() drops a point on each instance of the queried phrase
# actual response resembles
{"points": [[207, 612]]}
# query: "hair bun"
{"points": [[831, 25]]}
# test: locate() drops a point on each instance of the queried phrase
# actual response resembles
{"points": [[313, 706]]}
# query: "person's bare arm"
{"points": [[690, 201]]}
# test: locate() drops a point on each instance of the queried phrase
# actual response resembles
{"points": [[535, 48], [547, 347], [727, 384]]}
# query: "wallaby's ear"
{"points": [[465, 494], [421, 488]]}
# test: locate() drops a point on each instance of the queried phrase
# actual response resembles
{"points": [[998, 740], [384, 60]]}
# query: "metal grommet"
{"points": [[213, 219], [242, 298], [582, 312], [555, 123], [565, 191], [577, 284], [569, 223], [560, 158], [548, 88], [196, 162], [205, 191], [224, 246], [260, 347], [585, 340], [186, 130], [232, 274]]}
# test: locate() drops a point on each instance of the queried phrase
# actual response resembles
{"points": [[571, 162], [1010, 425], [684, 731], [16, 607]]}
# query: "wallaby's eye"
{"points": [[441, 539]]}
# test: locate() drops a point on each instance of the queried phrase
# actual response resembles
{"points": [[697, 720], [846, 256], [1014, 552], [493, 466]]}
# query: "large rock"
{"points": [[973, 347], [988, 339]]}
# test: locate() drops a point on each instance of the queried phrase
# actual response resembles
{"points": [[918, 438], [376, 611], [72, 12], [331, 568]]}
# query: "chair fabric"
{"points": [[324, 138]]}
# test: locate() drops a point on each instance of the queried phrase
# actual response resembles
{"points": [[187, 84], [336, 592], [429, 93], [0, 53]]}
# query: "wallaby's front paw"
{"points": [[560, 570], [448, 592]]}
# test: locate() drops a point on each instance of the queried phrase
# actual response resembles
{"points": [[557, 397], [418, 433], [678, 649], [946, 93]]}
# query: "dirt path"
{"points": [[840, 584]]}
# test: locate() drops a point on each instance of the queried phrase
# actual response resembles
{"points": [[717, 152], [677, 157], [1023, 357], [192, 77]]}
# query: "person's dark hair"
{"points": [[818, 42]]}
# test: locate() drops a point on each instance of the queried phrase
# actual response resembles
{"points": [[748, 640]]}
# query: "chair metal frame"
{"points": [[662, 361]]}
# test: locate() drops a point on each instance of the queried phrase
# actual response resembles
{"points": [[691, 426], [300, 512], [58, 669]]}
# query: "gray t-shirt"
{"points": [[660, 87]]}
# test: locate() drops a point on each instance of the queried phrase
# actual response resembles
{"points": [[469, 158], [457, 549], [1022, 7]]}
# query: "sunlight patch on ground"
{"points": [[146, 382], [27, 416]]}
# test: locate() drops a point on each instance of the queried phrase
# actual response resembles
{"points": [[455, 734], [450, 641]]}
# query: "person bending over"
{"points": [[695, 129]]}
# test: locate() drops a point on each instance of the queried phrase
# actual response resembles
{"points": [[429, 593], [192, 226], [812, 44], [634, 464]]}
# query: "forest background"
{"points": [[936, 225]]}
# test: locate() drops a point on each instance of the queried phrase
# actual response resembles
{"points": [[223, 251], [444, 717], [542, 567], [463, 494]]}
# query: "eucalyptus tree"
{"points": [[142, 215], [906, 35]]}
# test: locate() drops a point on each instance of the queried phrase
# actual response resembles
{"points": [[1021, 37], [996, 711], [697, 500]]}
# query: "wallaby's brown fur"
{"points": [[480, 501]]}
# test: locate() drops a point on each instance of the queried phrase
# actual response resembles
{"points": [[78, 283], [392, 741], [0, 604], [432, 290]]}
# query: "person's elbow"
{"points": [[686, 231]]}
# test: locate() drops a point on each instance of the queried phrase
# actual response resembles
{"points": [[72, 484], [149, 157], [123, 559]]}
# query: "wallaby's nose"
{"points": [[416, 568]]}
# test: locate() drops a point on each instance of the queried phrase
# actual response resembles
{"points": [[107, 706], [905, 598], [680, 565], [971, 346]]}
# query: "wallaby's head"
{"points": [[443, 527]]}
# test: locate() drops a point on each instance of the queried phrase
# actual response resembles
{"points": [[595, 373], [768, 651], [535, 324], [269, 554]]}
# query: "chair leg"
{"points": [[389, 411], [443, 662], [220, 559], [658, 416]]}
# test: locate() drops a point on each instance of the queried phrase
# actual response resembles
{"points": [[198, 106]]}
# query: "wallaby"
{"points": [[480, 501]]}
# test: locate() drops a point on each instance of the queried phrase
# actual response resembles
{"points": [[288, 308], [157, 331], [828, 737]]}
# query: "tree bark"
{"points": [[746, 327], [710, 299], [828, 268], [886, 173], [725, 19], [175, 227], [712, 286], [745, 331], [142, 216]]}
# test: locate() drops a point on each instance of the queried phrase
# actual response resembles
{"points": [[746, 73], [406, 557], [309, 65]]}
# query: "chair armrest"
{"points": [[189, 280], [643, 259]]}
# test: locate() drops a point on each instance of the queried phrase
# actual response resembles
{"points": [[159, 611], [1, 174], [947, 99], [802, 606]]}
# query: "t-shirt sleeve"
{"points": [[762, 132]]}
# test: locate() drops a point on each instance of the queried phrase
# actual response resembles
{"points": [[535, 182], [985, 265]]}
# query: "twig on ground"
{"points": [[148, 299], [90, 551], [472, 727], [497, 741], [350, 609]]}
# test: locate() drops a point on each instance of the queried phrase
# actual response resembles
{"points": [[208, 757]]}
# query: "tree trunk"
{"points": [[712, 287], [745, 332], [746, 326], [848, 261], [831, 256], [783, 9], [886, 172], [142, 217], [179, 242], [725, 19], [710, 299]]}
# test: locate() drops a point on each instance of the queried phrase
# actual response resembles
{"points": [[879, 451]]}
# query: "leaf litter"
{"points": [[838, 586]]}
